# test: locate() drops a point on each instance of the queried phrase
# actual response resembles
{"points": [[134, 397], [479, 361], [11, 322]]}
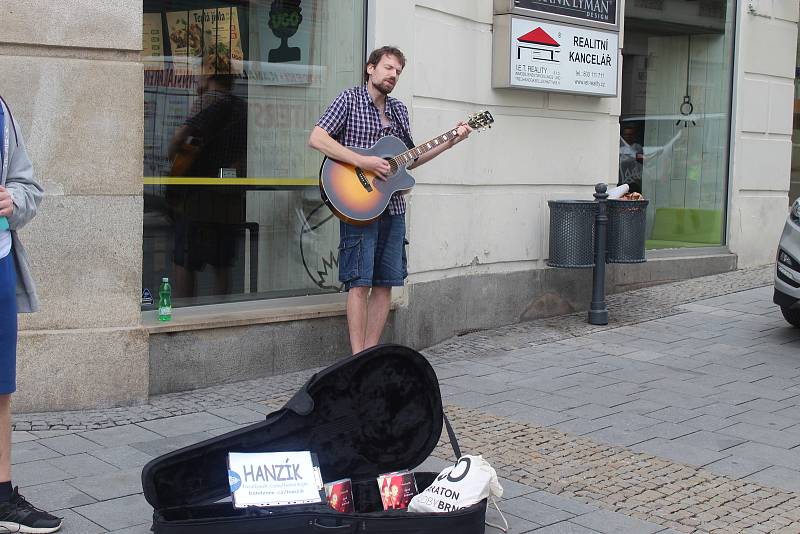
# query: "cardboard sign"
{"points": [[274, 478]]}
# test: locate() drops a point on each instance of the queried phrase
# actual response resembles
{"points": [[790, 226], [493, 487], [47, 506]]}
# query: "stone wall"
{"points": [[72, 75]]}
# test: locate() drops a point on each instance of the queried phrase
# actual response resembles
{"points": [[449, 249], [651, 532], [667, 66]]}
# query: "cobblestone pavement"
{"points": [[626, 308], [682, 415], [640, 486]]}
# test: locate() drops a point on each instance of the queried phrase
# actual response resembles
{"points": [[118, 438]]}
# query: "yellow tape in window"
{"points": [[170, 180]]}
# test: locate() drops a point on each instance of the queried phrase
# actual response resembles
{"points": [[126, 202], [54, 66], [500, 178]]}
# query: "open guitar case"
{"points": [[377, 412]]}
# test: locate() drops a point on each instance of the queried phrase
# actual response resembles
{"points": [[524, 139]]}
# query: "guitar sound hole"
{"points": [[392, 165]]}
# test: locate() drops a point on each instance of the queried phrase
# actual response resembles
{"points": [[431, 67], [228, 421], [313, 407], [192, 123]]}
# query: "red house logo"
{"points": [[539, 45], [538, 36]]}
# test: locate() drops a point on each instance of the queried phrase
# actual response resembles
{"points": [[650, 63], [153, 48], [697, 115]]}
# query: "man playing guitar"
{"points": [[372, 257]]}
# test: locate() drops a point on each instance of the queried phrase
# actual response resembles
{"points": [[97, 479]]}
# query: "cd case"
{"points": [[340, 495], [397, 489]]}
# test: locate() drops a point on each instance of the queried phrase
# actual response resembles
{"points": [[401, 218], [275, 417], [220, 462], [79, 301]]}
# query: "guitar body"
{"points": [[184, 159], [356, 196]]}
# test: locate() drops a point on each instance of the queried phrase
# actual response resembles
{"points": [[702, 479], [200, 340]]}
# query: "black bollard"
{"points": [[598, 313]]}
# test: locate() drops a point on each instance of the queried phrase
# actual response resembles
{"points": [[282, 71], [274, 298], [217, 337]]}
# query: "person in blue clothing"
{"points": [[20, 195]]}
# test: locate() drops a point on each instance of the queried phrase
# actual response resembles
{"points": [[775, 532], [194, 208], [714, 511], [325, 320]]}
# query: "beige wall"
{"points": [[487, 198], [763, 98], [75, 86]]}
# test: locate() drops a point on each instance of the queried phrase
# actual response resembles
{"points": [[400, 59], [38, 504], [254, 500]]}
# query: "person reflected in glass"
{"points": [[631, 159], [212, 143]]}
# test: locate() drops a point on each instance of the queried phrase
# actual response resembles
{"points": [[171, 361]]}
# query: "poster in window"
{"points": [[168, 101], [184, 41], [285, 31], [221, 39], [152, 42]]}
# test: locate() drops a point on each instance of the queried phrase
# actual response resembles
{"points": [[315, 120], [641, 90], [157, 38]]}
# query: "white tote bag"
{"points": [[459, 486]]}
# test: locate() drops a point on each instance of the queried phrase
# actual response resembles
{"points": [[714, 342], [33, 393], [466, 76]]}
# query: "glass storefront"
{"points": [[675, 116], [232, 90]]}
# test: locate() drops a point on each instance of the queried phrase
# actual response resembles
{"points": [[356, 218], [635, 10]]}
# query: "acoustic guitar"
{"points": [[359, 197]]}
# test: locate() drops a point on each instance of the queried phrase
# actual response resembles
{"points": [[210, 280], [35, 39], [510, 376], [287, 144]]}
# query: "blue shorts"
{"points": [[8, 326], [373, 255]]}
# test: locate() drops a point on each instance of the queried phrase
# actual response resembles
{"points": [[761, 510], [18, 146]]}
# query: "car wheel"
{"points": [[793, 316]]}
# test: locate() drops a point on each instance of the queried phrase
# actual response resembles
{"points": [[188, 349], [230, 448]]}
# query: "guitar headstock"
{"points": [[480, 120]]}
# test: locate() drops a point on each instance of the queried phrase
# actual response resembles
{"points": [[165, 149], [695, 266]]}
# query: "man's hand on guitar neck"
{"points": [[378, 166], [462, 132]]}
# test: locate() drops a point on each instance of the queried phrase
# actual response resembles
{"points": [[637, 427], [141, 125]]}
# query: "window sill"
{"points": [[659, 253], [246, 313]]}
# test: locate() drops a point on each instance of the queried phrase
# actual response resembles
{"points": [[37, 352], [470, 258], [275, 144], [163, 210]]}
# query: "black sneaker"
{"points": [[18, 515]]}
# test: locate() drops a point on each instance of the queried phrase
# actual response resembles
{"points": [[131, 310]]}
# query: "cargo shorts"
{"points": [[373, 255]]}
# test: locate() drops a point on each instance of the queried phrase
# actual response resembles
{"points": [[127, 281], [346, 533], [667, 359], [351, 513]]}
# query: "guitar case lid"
{"points": [[376, 412]]}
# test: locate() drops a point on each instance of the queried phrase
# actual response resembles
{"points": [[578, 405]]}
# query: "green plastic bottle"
{"points": [[165, 300]]}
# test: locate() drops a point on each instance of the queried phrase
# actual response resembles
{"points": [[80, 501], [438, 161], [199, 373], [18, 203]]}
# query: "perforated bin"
{"points": [[627, 220], [572, 233]]}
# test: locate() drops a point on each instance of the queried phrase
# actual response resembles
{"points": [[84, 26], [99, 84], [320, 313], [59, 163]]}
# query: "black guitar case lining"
{"points": [[378, 412]]}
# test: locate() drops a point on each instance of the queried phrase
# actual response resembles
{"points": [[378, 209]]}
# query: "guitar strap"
{"points": [[404, 135]]}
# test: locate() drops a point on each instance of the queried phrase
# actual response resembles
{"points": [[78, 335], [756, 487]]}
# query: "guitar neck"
{"points": [[410, 155]]}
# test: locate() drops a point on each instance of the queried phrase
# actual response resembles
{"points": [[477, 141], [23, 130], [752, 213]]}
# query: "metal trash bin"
{"points": [[572, 233], [627, 220]]}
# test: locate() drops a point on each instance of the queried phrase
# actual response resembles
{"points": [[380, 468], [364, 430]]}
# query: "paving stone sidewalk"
{"points": [[682, 415]]}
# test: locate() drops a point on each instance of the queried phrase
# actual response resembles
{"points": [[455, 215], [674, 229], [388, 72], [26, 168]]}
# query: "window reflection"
{"points": [[232, 89], [675, 120]]}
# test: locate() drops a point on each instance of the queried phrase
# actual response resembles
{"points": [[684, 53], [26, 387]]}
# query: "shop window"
{"points": [[675, 118], [232, 89]]}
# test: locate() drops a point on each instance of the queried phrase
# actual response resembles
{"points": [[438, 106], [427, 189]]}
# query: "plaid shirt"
{"points": [[353, 120]]}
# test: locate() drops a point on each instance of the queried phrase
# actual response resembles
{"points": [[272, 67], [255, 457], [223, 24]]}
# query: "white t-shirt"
{"points": [[5, 243]]}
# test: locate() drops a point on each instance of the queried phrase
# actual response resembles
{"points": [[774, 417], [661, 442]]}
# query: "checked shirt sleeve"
{"points": [[334, 119]]}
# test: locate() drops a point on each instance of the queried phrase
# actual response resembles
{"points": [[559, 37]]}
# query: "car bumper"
{"points": [[785, 301]]}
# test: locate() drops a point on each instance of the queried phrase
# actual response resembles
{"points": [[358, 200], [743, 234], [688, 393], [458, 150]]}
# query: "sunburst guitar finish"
{"points": [[359, 197]]}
